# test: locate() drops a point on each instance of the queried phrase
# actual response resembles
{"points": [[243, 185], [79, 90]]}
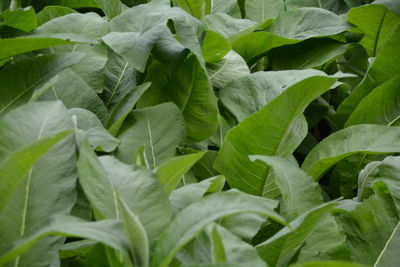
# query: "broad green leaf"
{"points": [[388, 256], [139, 22], [305, 23], [23, 19], [97, 136], [95, 183], [14, 46], [384, 67], [72, 90], [16, 166], [66, 3], [196, 8], [190, 221], [230, 7], [385, 171], [390, 4], [299, 192], [217, 246], [108, 232], [134, 47], [236, 250], [273, 136], [377, 23], [190, 89], [102, 140], [120, 79], [261, 10], [189, 194], [226, 25], [281, 248], [143, 194], [111, 8], [69, 26], [247, 95], [171, 171], [53, 176], [52, 12], [124, 107], [364, 138], [151, 127], [371, 227], [384, 101], [214, 47], [257, 43], [327, 264], [136, 235], [230, 68], [76, 248], [90, 69], [299, 195], [309, 54], [327, 242], [20, 80]]}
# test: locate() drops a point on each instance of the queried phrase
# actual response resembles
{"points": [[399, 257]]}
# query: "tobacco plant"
{"points": [[200, 133]]}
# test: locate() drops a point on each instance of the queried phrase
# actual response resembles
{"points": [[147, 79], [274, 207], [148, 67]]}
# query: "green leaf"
{"points": [[371, 227], [388, 256], [247, 95], [215, 47], [384, 100], [151, 127], [136, 235], [384, 67], [196, 8], [72, 90], [134, 47], [189, 194], [236, 250], [230, 68], [108, 232], [369, 139], [327, 264], [305, 23], [190, 221], [23, 19], [261, 10], [111, 8], [15, 46], [120, 79], [280, 248], [226, 25], [95, 183], [190, 89], [53, 176], [171, 171], [257, 43], [20, 80], [90, 69], [124, 107], [377, 23], [68, 3], [52, 12], [299, 192], [143, 194], [309, 54], [273, 136], [16, 166], [390, 4], [144, 24]]}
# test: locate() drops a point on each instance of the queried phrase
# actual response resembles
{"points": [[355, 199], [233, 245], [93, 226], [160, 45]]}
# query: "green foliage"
{"points": [[147, 133]]}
